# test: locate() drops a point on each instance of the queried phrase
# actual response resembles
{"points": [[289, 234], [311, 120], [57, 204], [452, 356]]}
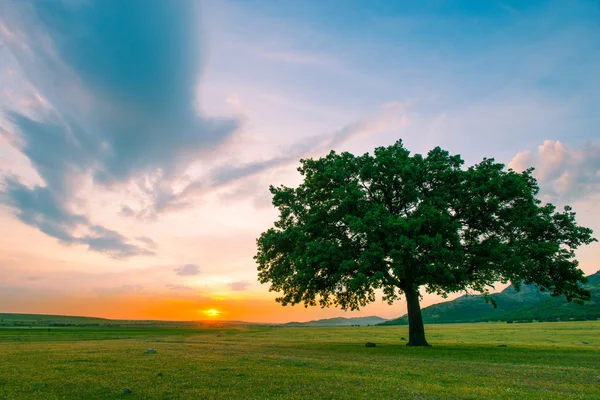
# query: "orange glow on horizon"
{"points": [[139, 306]]}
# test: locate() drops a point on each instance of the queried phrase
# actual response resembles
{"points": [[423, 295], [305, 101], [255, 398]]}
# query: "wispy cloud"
{"points": [[239, 286], [151, 244], [179, 287], [119, 290], [299, 57], [187, 270], [117, 82], [390, 117], [126, 211]]}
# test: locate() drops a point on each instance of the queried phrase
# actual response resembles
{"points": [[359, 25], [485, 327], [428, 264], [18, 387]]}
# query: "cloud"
{"points": [[127, 211], [119, 290], [563, 173], [60, 276], [240, 285], [117, 82], [120, 106], [179, 287], [111, 243], [48, 211], [151, 244], [522, 161], [254, 189], [323, 61], [391, 116], [187, 270]]}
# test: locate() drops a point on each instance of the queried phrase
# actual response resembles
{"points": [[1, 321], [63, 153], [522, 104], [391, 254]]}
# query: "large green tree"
{"points": [[400, 222]]}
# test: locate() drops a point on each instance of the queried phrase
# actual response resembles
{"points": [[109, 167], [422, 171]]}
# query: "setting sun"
{"points": [[212, 312]]}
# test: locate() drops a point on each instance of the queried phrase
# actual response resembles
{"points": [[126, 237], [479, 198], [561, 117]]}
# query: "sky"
{"points": [[138, 138]]}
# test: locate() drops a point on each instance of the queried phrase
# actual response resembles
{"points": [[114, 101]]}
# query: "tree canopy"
{"points": [[395, 222]]}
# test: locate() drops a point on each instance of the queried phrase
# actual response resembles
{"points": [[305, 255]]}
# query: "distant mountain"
{"points": [[528, 304], [594, 279], [557, 308], [361, 321]]}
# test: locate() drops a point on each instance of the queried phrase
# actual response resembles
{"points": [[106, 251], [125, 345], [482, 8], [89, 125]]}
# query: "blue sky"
{"points": [[498, 70], [138, 138]]}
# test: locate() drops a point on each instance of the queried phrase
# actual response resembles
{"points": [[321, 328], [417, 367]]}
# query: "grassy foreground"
{"points": [[540, 361]]}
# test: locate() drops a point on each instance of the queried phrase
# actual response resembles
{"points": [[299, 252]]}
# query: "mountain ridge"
{"points": [[340, 321], [526, 305]]}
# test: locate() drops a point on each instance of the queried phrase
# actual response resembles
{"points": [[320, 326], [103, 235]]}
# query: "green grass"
{"points": [[541, 361]]}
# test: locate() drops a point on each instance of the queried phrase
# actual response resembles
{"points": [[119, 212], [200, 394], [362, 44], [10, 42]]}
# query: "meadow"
{"points": [[467, 361]]}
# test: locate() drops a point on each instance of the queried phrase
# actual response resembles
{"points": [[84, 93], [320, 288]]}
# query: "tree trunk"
{"points": [[416, 330]]}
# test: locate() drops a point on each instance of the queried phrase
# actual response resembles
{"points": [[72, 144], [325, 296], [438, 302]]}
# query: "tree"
{"points": [[395, 222]]}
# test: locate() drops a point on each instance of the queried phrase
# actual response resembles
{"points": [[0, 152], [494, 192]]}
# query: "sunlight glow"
{"points": [[212, 312]]}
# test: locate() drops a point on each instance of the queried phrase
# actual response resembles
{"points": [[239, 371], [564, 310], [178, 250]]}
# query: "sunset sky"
{"points": [[138, 138]]}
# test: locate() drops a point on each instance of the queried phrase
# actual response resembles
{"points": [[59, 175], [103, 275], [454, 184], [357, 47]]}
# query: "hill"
{"points": [[50, 320], [557, 308], [10, 319], [528, 304], [360, 321]]}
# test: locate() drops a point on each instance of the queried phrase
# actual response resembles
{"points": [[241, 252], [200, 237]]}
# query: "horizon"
{"points": [[215, 319], [176, 320], [137, 147]]}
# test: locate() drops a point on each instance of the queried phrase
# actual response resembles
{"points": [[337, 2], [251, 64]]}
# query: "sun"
{"points": [[212, 312]]}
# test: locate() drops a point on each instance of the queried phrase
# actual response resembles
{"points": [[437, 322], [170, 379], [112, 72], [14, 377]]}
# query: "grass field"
{"points": [[540, 361]]}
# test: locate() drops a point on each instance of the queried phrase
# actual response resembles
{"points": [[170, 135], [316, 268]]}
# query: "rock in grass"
{"points": [[127, 391], [150, 351], [369, 344], [585, 342]]}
